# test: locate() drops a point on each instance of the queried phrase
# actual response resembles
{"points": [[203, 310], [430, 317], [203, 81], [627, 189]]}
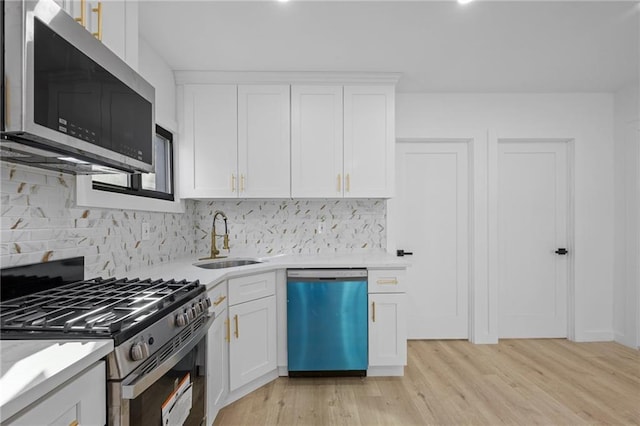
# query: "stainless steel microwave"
{"points": [[70, 103]]}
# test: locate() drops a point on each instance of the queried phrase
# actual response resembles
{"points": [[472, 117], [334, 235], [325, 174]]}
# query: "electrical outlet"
{"points": [[146, 231], [320, 228]]}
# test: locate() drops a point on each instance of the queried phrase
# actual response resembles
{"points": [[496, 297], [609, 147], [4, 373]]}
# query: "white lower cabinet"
{"points": [[81, 401], [252, 350], [217, 354], [387, 329], [387, 322]]}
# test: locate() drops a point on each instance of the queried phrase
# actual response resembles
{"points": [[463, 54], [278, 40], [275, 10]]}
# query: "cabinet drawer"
{"points": [[218, 296], [387, 281], [251, 287]]}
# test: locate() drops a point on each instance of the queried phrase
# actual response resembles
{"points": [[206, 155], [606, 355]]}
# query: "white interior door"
{"points": [[432, 222], [532, 225]]}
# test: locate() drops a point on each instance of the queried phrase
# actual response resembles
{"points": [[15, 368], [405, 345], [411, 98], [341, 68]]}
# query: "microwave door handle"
{"points": [[134, 385]]}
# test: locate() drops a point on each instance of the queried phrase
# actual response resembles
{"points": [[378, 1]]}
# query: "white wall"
{"points": [[157, 72], [627, 216], [484, 119]]}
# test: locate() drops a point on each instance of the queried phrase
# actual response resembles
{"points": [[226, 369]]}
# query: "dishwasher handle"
{"points": [[327, 274]]}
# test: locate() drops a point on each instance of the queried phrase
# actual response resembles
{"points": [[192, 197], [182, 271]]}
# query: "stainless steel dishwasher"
{"points": [[327, 322]]}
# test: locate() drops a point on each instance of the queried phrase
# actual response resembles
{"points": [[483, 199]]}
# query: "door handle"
{"points": [[561, 251], [237, 333], [401, 253]]}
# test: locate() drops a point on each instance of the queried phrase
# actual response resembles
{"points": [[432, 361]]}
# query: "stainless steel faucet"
{"points": [[225, 241]]}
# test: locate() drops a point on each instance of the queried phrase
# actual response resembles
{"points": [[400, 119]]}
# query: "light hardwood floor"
{"points": [[519, 382]]}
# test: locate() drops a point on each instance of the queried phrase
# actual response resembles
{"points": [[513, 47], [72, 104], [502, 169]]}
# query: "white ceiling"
{"points": [[438, 46]]}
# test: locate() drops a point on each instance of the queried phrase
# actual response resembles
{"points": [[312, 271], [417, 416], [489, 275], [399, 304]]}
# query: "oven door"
{"points": [[167, 389]]}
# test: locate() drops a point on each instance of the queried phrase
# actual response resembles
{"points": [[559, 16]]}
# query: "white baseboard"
{"points": [[626, 340], [595, 336], [390, 371]]}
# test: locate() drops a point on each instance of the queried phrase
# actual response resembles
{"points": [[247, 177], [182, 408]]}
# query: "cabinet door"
{"points": [[217, 365], [387, 330], [252, 351], [264, 141], [83, 400], [316, 141], [207, 150], [369, 137], [119, 30]]}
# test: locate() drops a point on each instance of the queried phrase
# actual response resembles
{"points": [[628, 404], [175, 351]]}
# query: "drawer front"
{"points": [[387, 281], [251, 287], [219, 298]]}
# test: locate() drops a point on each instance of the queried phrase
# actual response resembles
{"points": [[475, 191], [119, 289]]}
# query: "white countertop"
{"points": [[184, 269], [31, 369]]}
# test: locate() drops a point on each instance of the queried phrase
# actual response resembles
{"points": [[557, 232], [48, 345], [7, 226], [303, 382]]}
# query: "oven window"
{"points": [[146, 409], [154, 185]]}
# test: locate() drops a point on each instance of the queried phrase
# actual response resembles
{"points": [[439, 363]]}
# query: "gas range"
{"points": [[154, 324], [139, 315]]}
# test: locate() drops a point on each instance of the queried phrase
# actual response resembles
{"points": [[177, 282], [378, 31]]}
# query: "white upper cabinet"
{"points": [[342, 142], [263, 141], [310, 139], [114, 22], [316, 141], [208, 145], [369, 137]]}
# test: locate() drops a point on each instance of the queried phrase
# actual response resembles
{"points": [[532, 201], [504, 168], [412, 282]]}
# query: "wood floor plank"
{"points": [[532, 381]]}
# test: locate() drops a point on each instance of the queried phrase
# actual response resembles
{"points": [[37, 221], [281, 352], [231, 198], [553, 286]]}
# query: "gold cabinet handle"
{"points": [[227, 336], [392, 281], [82, 19], [98, 10], [237, 333], [241, 183], [348, 183], [219, 300], [74, 423], [339, 182], [233, 182], [373, 310]]}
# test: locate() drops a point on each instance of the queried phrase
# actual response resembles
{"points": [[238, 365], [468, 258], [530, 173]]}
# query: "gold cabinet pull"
{"points": [[241, 183], [227, 336], [74, 423], [373, 310], [348, 183], [233, 182], [237, 333], [98, 10], [82, 19], [391, 281], [219, 300], [339, 182]]}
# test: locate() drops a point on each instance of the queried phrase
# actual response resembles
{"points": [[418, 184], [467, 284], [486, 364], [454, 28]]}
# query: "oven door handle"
{"points": [[134, 385]]}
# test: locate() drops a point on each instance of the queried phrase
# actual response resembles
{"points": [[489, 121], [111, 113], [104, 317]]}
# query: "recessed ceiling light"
{"points": [[464, 1], [283, 1]]}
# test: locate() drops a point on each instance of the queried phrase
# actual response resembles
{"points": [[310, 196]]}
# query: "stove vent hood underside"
{"points": [[26, 152]]}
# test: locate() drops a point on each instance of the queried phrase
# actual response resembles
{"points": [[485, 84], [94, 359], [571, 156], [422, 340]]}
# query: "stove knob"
{"points": [[207, 302], [139, 351], [191, 314], [182, 319], [198, 308]]}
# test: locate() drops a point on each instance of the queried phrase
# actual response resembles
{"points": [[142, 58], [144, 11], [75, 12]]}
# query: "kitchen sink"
{"points": [[226, 263]]}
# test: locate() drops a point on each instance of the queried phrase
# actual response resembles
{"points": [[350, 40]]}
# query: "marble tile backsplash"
{"points": [[41, 222], [291, 226]]}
